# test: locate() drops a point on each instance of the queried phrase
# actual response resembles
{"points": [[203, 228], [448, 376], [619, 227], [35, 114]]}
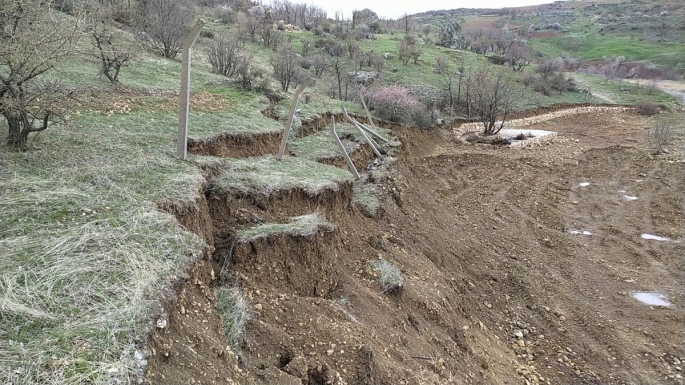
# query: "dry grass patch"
{"points": [[266, 175]]}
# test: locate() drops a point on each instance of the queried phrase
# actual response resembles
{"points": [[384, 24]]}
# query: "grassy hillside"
{"points": [[644, 31]]}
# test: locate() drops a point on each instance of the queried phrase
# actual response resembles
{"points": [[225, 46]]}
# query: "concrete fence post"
{"points": [[284, 141], [353, 169], [182, 142]]}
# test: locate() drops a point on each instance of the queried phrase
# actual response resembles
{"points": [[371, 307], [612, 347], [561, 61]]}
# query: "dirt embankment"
{"points": [[497, 290]]}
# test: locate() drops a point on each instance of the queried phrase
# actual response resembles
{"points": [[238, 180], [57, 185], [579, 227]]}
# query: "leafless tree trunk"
{"points": [[339, 66], [110, 53], [442, 65]]}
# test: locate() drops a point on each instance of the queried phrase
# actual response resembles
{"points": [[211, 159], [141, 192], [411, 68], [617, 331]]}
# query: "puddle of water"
{"points": [[629, 198], [584, 184], [622, 191], [581, 232], [652, 299], [638, 180], [655, 237]]}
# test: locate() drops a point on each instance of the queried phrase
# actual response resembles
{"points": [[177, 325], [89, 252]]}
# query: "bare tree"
{"points": [[271, 38], [164, 24], [659, 137], [414, 52], [250, 77], [111, 53], [493, 93], [33, 40], [403, 51], [450, 79], [248, 26], [351, 47], [426, 30], [285, 65], [518, 55], [340, 67], [549, 67], [224, 55], [307, 48], [320, 63]]}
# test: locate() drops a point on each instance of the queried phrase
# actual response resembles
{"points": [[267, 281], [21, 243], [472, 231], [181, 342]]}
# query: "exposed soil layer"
{"points": [[231, 213], [193, 216], [360, 158], [241, 145], [497, 290], [191, 347], [245, 145]]}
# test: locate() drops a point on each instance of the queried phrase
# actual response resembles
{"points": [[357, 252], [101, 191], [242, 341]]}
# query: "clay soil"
{"points": [[497, 290]]}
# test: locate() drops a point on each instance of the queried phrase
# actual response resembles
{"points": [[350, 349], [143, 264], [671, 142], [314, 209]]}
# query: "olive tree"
{"points": [[34, 38]]}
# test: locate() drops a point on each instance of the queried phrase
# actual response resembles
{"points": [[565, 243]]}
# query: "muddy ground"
{"points": [[497, 289]]}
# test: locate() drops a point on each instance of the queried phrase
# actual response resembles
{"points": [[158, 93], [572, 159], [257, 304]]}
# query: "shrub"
{"points": [[225, 55], [306, 63], [165, 23], [284, 66], [421, 117], [395, 104], [659, 137], [250, 77], [390, 278], [549, 67], [647, 109], [226, 15]]}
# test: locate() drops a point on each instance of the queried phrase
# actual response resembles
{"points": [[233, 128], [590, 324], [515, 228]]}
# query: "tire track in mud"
{"points": [[543, 196], [623, 261]]}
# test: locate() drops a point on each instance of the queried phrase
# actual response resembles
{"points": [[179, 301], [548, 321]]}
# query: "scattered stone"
{"points": [[258, 306], [161, 321], [363, 77], [518, 334]]}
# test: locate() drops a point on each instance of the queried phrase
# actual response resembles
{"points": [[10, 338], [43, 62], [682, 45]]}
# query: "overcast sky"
{"points": [[396, 8]]}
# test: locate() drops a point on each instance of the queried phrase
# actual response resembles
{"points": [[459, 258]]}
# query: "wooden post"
{"points": [[281, 149], [182, 142], [353, 169]]}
